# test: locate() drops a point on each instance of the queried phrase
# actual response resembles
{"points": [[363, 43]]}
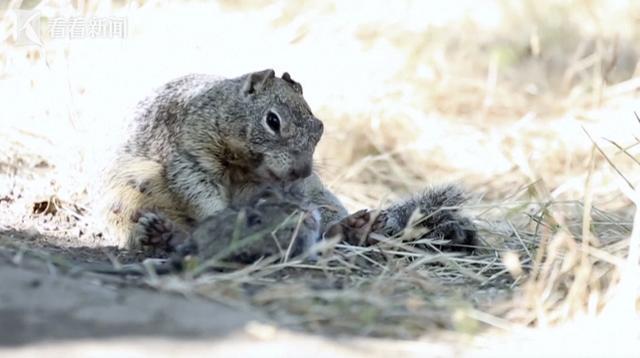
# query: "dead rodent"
{"points": [[200, 144], [281, 223], [274, 222]]}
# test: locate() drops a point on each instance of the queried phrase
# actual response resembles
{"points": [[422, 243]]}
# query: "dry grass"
{"points": [[530, 104]]}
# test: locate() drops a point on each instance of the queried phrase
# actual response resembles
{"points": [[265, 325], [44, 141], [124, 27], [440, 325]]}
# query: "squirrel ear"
{"points": [[288, 79], [256, 80]]}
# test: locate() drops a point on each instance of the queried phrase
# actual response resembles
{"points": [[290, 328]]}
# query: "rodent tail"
{"points": [[428, 202]]}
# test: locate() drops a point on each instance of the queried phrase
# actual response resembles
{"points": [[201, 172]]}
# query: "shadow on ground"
{"points": [[39, 302]]}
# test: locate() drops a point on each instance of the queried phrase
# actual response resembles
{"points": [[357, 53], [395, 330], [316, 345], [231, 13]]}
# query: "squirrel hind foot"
{"points": [[355, 229]]}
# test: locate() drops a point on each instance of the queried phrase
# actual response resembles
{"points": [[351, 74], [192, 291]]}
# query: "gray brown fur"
{"points": [[199, 144]]}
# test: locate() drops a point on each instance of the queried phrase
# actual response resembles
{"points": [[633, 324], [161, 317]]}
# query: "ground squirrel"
{"points": [[200, 143], [201, 150]]}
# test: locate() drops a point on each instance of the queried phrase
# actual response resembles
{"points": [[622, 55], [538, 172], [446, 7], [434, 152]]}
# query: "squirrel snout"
{"points": [[300, 170]]}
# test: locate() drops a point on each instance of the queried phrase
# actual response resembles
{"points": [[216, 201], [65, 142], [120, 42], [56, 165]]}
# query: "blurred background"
{"points": [[495, 94]]}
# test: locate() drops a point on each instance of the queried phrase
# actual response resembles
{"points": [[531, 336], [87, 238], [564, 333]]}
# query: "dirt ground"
{"points": [[53, 314], [47, 311], [43, 312]]}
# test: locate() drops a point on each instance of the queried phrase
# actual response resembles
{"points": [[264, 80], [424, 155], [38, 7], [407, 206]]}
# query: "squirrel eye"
{"points": [[273, 121]]}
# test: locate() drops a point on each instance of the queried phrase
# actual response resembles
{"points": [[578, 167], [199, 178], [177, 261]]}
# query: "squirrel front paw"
{"points": [[156, 231]]}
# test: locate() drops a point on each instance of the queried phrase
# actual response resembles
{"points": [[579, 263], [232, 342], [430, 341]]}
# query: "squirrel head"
{"points": [[276, 126]]}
